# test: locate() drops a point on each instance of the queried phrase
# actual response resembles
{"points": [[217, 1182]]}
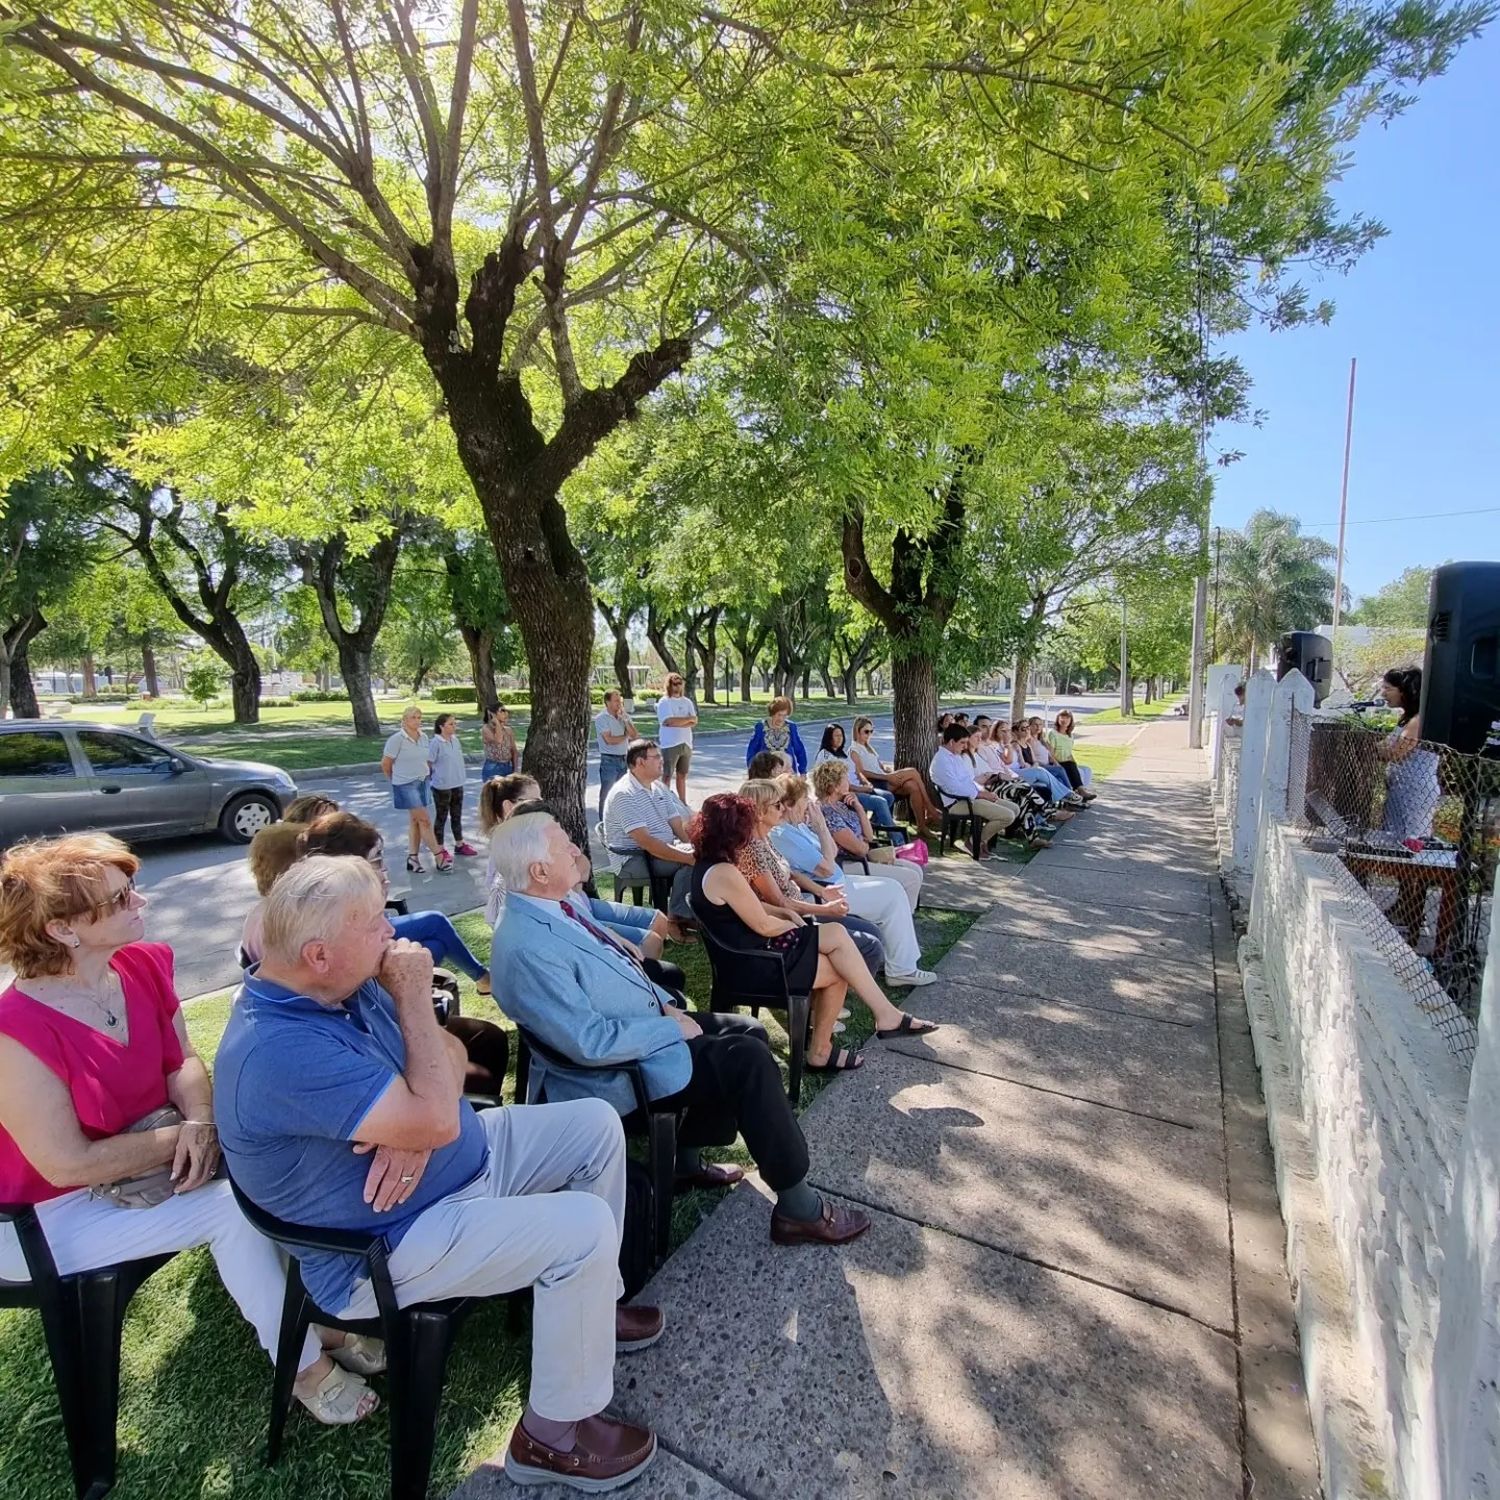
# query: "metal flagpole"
{"points": [[1338, 577]]}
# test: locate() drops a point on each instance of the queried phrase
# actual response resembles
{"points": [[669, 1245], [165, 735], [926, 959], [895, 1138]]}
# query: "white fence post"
{"points": [[1245, 814], [1223, 708], [1291, 696], [1465, 1444]]}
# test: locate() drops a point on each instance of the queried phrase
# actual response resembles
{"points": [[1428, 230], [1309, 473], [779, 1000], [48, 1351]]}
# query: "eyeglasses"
{"points": [[111, 906]]}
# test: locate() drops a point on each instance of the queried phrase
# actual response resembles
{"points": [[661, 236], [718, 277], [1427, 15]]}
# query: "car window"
{"points": [[39, 753], [119, 755]]}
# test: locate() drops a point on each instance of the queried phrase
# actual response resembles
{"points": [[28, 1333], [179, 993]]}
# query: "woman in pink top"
{"points": [[92, 1041]]}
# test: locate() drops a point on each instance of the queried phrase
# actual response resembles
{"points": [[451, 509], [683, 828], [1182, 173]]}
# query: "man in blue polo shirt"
{"points": [[333, 1055]]}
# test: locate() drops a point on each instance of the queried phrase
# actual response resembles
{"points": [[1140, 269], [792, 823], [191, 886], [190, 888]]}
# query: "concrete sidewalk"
{"points": [[1074, 1284]]}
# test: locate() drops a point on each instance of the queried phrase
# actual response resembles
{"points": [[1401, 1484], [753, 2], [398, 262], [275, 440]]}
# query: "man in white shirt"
{"points": [[677, 715], [645, 827], [613, 731], [952, 773]]}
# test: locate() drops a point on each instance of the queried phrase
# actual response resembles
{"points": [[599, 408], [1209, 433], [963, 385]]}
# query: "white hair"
{"points": [[308, 903], [517, 844]]}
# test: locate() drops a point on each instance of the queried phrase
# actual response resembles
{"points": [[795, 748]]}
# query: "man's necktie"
{"points": [[603, 935]]}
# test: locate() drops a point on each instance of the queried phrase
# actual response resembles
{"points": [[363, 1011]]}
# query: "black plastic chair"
{"points": [[657, 1123], [757, 977], [958, 816], [417, 1341], [82, 1316]]}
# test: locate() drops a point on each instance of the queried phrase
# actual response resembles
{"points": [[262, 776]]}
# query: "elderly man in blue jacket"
{"points": [[583, 992]]}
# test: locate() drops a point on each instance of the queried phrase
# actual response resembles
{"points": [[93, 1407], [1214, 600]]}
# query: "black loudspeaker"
{"points": [[1461, 671], [1311, 654]]}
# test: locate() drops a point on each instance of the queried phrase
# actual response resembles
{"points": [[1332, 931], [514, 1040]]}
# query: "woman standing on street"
{"points": [[445, 760], [405, 764], [499, 742]]}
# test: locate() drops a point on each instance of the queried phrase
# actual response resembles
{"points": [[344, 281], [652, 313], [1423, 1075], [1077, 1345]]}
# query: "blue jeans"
{"points": [[624, 920], [879, 805], [492, 768], [1038, 777], [440, 938], [611, 769]]}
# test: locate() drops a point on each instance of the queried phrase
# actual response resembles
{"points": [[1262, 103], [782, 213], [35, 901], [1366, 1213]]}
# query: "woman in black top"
{"points": [[822, 958]]}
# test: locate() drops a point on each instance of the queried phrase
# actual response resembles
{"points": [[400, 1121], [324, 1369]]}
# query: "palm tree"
{"points": [[1272, 579]]}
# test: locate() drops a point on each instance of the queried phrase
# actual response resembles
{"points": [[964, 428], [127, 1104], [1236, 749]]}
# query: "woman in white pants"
{"points": [[848, 825], [803, 840], [100, 1086]]}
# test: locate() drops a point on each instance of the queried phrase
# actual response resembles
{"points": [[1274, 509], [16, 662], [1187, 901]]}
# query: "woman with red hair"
{"points": [[819, 957]]}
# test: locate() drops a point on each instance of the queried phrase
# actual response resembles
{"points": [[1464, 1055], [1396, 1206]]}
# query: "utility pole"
{"points": [[1127, 698], [1338, 577]]}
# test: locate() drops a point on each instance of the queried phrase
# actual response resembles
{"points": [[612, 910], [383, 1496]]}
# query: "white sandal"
{"points": [[339, 1399], [360, 1354]]}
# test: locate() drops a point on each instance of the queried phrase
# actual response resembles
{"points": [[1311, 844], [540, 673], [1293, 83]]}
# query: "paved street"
{"points": [[200, 888]]}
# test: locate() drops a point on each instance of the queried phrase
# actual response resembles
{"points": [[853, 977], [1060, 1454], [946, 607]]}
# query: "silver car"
{"points": [[57, 777]]}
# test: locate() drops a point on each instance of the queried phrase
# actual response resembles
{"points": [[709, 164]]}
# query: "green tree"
{"points": [[1272, 579], [419, 639], [1400, 604], [203, 678], [48, 538]]}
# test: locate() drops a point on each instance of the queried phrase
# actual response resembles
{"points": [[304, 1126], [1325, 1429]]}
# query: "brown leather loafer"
{"points": [[711, 1174], [606, 1455], [834, 1226], [637, 1328]]}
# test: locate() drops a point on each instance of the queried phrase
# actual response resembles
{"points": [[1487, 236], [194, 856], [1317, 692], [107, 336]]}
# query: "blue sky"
{"points": [[1421, 312]]}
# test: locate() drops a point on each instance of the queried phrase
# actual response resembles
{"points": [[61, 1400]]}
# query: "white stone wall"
{"points": [[1383, 1103]]}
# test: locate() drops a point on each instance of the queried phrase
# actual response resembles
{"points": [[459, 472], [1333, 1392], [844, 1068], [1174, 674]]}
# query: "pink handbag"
{"points": [[914, 850]]}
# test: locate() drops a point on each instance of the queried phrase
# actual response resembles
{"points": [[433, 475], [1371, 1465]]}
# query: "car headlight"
{"points": [[285, 782]]}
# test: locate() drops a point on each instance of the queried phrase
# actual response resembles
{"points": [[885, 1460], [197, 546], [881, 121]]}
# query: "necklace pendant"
{"points": [[111, 1019]]}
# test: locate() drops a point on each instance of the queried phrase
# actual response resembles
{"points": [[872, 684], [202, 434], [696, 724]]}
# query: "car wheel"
{"points": [[243, 818]]}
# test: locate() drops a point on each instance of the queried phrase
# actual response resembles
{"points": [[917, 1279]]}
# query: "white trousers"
{"points": [[905, 874], [883, 902], [85, 1233], [548, 1213]]}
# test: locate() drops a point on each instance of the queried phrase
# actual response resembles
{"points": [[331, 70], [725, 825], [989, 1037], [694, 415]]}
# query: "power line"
{"points": [[1440, 515]]}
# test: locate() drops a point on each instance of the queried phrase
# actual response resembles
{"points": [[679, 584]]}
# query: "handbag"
{"points": [[147, 1189], [914, 851]]}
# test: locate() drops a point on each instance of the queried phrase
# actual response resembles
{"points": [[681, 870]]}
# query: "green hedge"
{"points": [[278, 702], [320, 695], [456, 693], [103, 698]]}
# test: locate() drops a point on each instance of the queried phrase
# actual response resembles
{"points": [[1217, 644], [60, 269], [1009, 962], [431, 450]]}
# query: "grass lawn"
{"points": [[195, 1385], [1144, 712]]}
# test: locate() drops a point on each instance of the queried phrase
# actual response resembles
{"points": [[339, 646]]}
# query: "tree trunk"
{"points": [[656, 633], [148, 669], [480, 645], [851, 687], [23, 702], [618, 621], [870, 682], [321, 571], [16, 686], [914, 676], [829, 691], [90, 686], [354, 668], [244, 678], [708, 648], [1020, 685], [806, 682], [766, 680]]}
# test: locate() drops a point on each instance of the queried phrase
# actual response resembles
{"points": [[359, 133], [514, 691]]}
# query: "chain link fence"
{"points": [[1411, 832]]}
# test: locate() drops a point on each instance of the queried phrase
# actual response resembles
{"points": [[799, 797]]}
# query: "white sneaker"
{"points": [[916, 979], [845, 1014]]}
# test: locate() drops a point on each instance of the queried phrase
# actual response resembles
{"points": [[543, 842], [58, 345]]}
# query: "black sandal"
{"points": [[909, 1026], [851, 1062]]}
